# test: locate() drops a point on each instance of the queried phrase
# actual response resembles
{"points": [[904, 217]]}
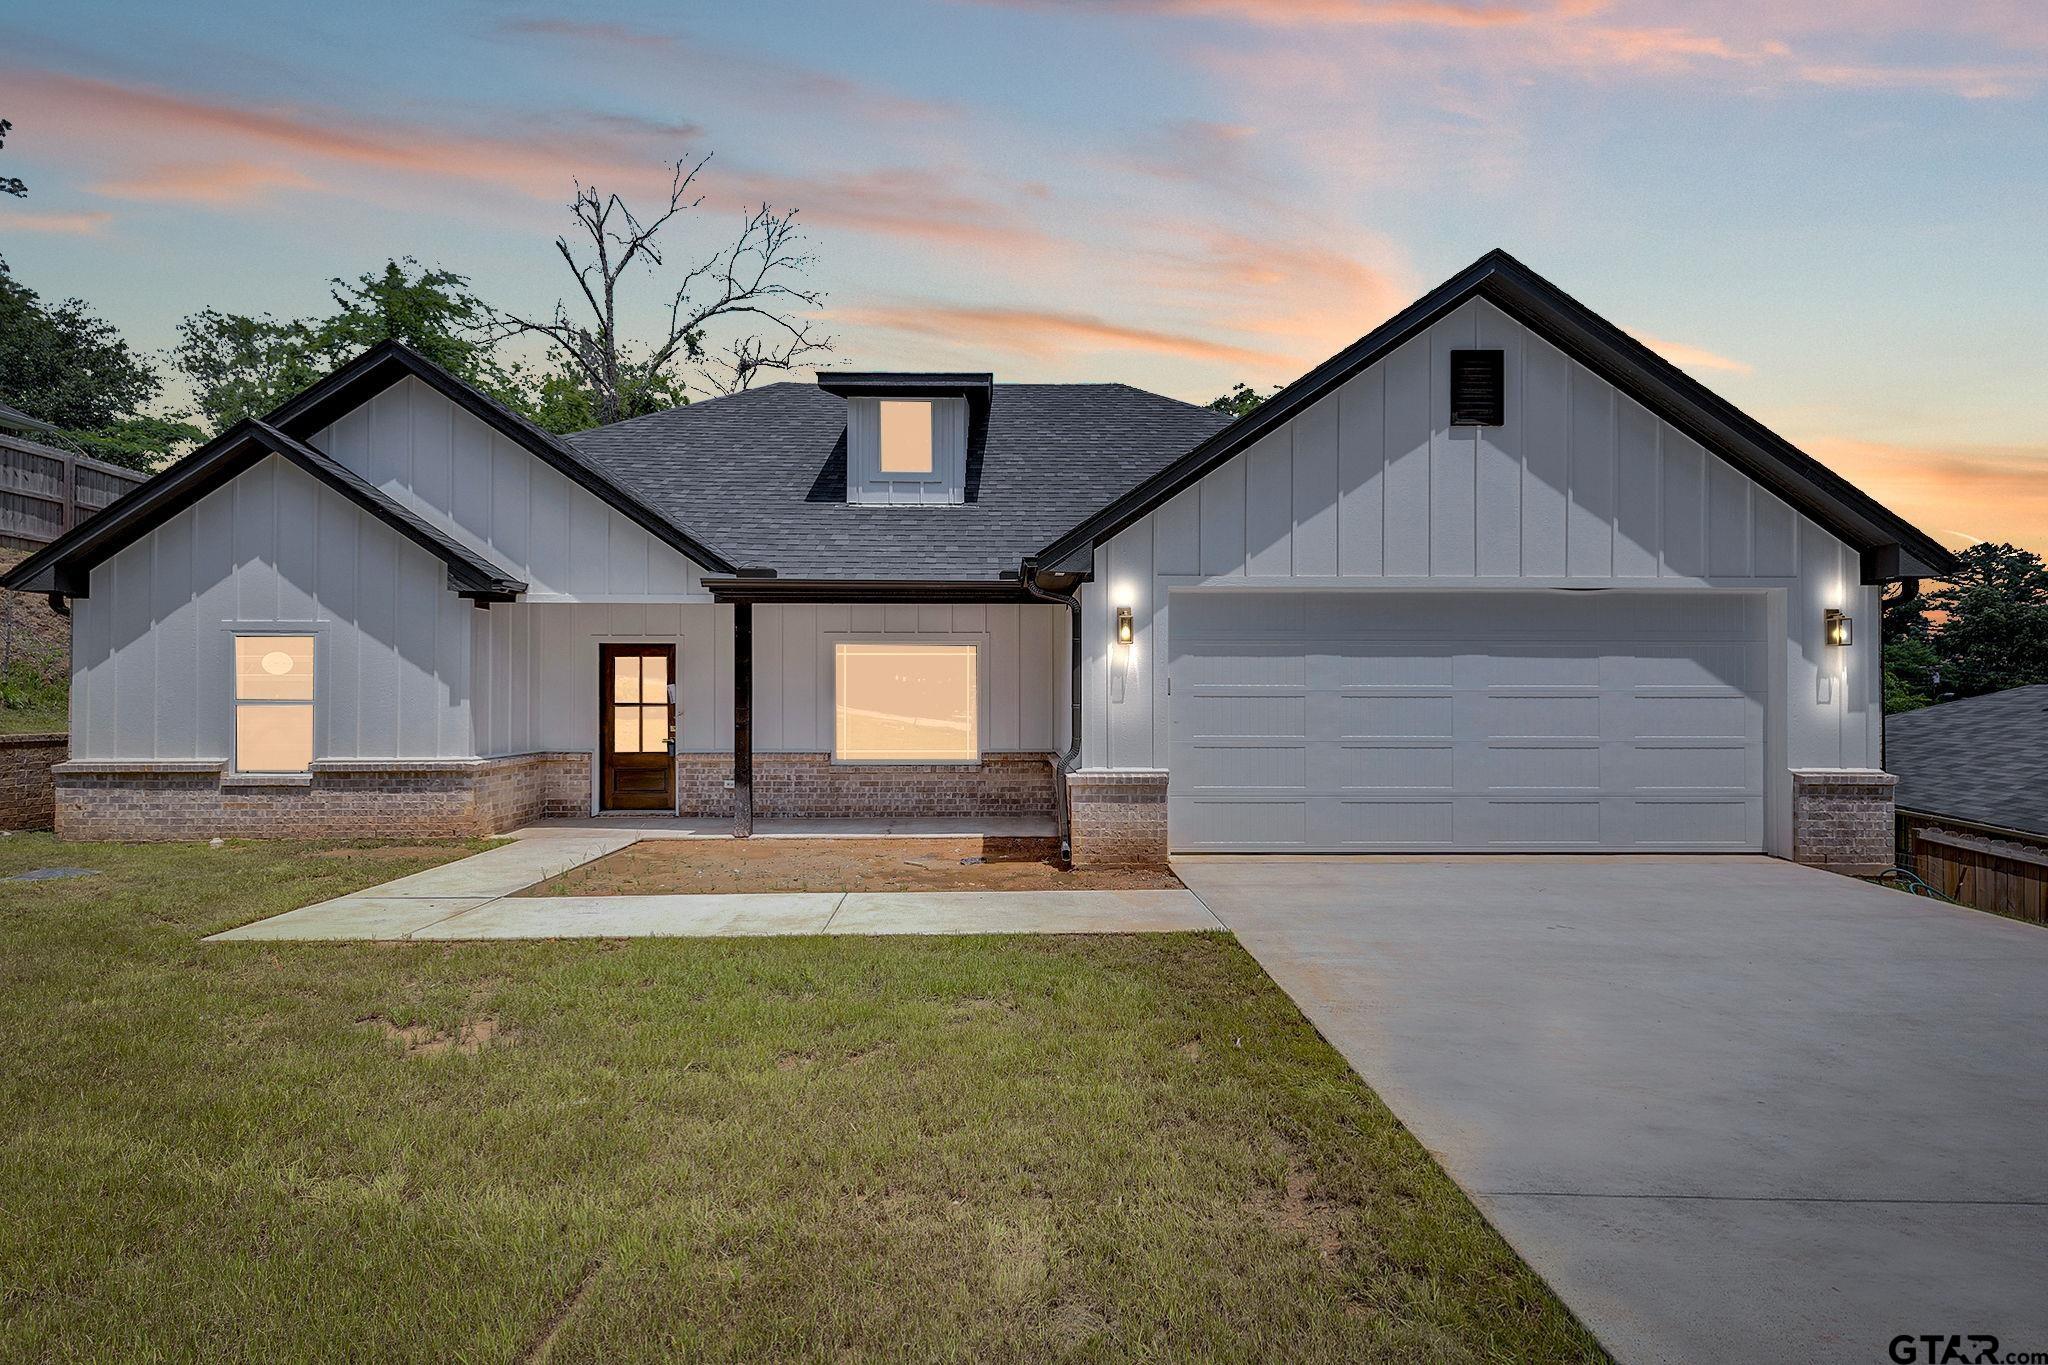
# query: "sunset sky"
{"points": [[1832, 213]]}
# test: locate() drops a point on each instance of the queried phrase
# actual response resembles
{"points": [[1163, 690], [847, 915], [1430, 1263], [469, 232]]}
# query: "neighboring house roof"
{"points": [[63, 565], [1891, 548], [1981, 759], [762, 475]]}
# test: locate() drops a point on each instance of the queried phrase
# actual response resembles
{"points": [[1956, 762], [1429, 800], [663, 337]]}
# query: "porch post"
{"points": [[742, 719]]}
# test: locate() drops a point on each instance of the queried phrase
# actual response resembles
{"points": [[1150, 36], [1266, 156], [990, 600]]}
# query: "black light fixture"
{"points": [[1838, 626], [1123, 625]]}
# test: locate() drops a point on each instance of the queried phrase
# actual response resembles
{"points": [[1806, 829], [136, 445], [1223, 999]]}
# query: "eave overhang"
{"points": [[763, 589], [977, 388]]}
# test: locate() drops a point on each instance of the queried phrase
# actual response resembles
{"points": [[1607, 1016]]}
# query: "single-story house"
{"points": [[1494, 577], [1973, 798]]}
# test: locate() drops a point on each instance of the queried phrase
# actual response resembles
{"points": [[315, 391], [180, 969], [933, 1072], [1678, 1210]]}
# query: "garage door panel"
{"points": [[1221, 766], [1383, 765], [1387, 824], [1466, 721], [1419, 715], [1238, 822]]}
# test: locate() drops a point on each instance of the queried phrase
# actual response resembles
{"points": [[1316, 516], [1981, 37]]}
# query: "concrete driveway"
{"points": [[1730, 1108]]}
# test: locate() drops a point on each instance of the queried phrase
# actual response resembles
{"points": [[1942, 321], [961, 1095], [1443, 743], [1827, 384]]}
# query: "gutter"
{"points": [[1071, 759]]}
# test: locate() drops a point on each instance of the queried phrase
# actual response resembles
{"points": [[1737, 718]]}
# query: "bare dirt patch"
{"points": [[1300, 1211], [656, 867], [421, 1040]]}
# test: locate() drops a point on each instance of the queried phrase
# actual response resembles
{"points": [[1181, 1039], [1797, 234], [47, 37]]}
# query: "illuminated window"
{"points": [[273, 703], [906, 437], [906, 702]]}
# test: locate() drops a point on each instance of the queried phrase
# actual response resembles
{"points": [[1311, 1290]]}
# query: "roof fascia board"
{"points": [[387, 362], [1572, 327]]}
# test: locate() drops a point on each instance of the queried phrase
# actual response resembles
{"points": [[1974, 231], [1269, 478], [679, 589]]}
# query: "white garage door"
{"points": [[1480, 721]]}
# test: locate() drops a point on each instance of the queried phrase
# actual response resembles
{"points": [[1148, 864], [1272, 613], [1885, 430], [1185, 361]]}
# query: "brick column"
{"points": [[1842, 819], [1117, 818]]}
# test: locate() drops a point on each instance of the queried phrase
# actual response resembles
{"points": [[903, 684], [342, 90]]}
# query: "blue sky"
{"points": [[1834, 218]]}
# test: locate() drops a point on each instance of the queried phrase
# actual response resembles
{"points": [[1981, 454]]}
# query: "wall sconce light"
{"points": [[1123, 625], [1838, 627]]}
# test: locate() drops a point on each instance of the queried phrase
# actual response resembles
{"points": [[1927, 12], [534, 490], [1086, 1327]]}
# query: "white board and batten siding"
{"points": [[274, 551], [1581, 487], [490, 492], [536, 670]]}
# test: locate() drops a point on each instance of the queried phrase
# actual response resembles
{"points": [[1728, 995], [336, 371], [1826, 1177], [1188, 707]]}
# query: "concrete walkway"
{"points": [[472, 899], [1730, 1108]]}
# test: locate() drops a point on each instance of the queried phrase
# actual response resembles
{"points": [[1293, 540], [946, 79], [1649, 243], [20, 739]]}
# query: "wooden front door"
{"points": [[636, 726]]}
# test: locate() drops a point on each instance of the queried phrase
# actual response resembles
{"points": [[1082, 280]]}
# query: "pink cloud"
{"points": [[1998, 493], [63, 224], [914, 203], [1688, 357], [220, 184], [1042, 333], [800, 87], [223, 143]]}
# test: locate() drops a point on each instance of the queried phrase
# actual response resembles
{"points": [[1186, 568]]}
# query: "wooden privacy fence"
{"points": [[1989, 869], [44, 491]]}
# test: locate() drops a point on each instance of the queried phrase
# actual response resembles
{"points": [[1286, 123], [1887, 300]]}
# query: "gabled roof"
{"points": [[390, 361], [1982, 759], [64, 566], [763, 475], [1890, 547]]}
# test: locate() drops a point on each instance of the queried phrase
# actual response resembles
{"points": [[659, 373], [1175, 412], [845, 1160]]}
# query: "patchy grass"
{"points": [[656, 867], [989, 1149], [35, 720]]}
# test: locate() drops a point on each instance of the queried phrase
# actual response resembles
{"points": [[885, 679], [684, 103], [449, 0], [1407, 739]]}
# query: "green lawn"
{"points": [[986, 1149], [36, 720]]}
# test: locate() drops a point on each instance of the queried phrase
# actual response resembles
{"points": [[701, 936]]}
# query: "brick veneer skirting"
{"points": [[353, 798], [813, 785], [1117, 819], [27, 796], [1842, 819]]}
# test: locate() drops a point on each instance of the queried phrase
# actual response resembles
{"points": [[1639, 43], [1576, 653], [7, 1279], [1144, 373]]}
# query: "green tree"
{"points": [[62, 364], [1911, 665], [1241, 399], [9, 184], [1993, 632], [242, 366]]}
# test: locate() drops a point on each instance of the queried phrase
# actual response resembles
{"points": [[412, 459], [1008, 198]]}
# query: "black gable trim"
{"points": [[1891, 547], [65, 565], [389, 361]]}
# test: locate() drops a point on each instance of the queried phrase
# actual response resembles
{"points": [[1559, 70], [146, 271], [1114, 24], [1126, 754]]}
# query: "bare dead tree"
{"points": [[757, 282]]}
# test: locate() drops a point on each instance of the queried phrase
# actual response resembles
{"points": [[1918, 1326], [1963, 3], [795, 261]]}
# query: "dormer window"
{"points": [[906, 436]]}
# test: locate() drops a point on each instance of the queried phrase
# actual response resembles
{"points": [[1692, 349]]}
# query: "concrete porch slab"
{"points": [[638, 917], [1021, 912]]}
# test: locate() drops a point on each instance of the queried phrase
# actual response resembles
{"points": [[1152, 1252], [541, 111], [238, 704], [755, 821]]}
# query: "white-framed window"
{"points": [[273, 703], [906, 702], [906, 438]]}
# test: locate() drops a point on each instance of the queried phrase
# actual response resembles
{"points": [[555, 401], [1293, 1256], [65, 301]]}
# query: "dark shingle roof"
{"points": [[761, 477], [1983, 759]]}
